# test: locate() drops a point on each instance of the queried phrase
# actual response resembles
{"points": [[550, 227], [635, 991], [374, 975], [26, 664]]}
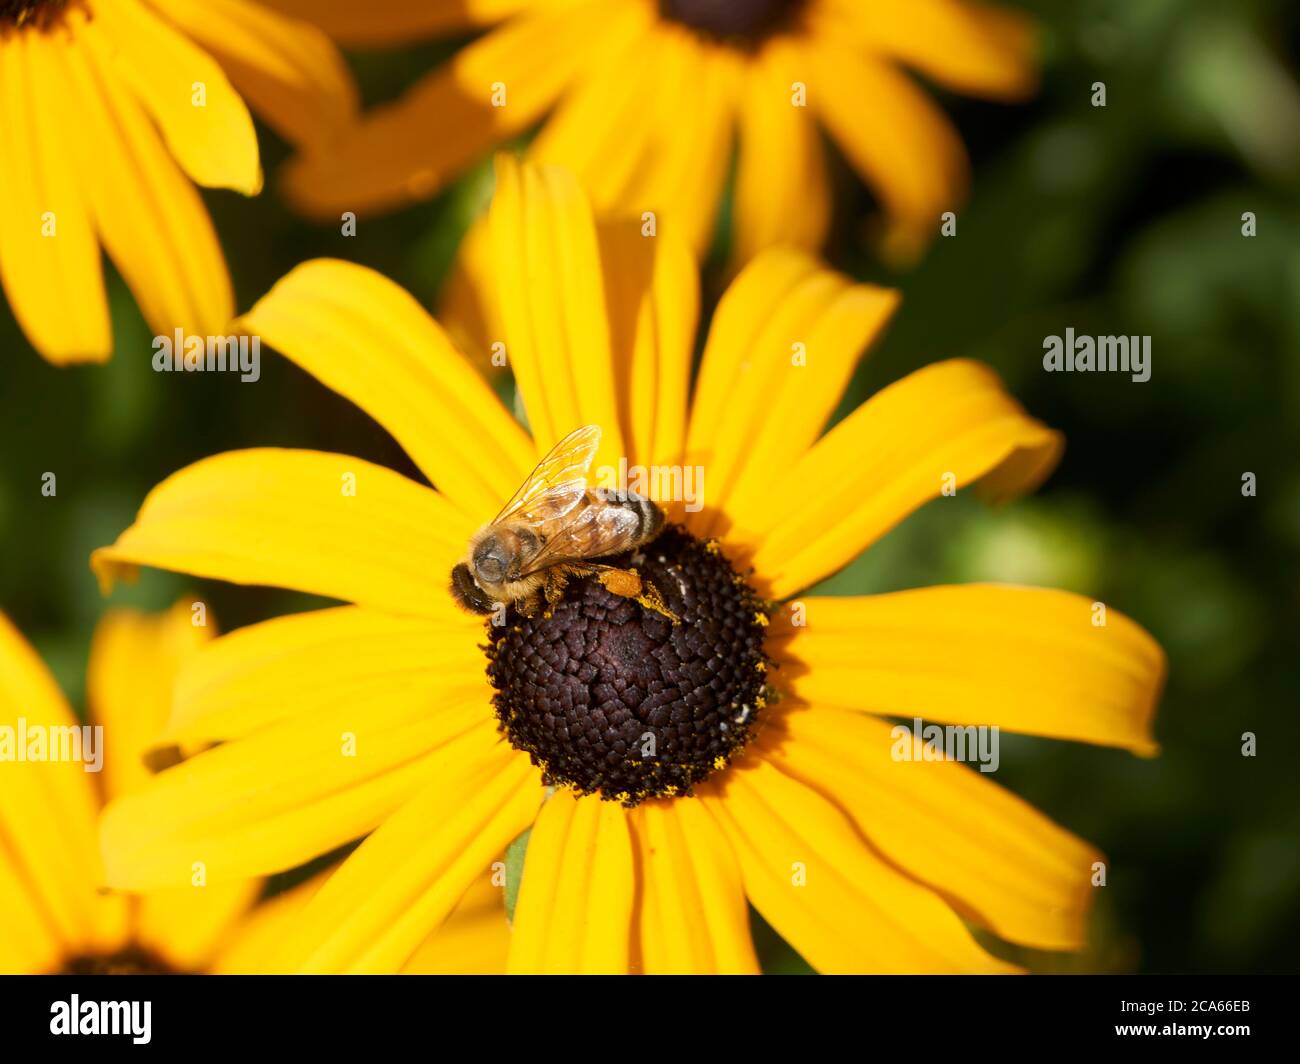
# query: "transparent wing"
{"points": [[596, 530], [558, 483]]}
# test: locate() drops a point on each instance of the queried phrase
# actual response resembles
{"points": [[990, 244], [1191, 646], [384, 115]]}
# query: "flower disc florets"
{"points": [[610, 697]]}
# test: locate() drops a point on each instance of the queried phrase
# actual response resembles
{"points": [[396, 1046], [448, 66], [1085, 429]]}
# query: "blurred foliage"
{"points": [[1117, 220]]}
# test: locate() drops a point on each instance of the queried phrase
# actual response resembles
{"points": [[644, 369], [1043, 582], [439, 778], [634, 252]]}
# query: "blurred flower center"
{"points": [[130, 961], [730, 18], [611, 698], [29, 12]]}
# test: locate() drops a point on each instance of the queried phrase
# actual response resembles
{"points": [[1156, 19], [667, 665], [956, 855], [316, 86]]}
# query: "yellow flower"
{"points": [[860, 859], [645, 98], [108, 110], [52, 915]]}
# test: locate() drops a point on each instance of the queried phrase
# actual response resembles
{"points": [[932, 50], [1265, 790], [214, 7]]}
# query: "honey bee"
{"points": [[551, 531]]}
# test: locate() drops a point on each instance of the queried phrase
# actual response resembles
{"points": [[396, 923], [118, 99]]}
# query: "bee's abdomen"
{"points": [[649, 518]]}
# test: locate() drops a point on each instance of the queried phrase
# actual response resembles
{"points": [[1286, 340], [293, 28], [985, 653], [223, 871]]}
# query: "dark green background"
{"points": [[1122, 220]]}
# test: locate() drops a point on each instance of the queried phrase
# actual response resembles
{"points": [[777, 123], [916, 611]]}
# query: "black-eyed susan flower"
{"points": [[53, 915], [644, 100], [110, 112], [667, 769]]}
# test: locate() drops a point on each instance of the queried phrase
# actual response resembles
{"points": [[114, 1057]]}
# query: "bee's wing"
{"points": [[558, 483], [595, 531]]}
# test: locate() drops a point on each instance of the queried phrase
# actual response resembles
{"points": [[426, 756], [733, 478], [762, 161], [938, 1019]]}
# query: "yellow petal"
{"points": [[771, 379], [693, 919], [187, 926], [939, 428], [148, 215], [648, 128], [490, 90], [134, 659], [825, 892], [974, 48], [324, 523], [47, 806], [29, 941], [903, 145], [474, 940], [287, 69], [249, 946], [467, 305], [386, 22], [1026, 659], [285, 794], [600, 129], [742, 313], [652, 300], [691, 119], [653, 291], [49, 257], [790, 383], [552, 303], [369, 340], [574, 915], [675, 298], [782, 191], [200, 115], [1001, 860], [291, 667], [403, 881]]}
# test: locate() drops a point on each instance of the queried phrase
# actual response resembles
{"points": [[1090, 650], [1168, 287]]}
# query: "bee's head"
{"points": [[465, 590]]}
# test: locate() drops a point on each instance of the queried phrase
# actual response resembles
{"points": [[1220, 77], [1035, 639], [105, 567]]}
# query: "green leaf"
{"points": [[515, 871]]}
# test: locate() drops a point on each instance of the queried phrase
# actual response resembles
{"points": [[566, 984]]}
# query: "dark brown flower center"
{"points": [[612, 698], [745, 19], [133, 960], [38, 13]]}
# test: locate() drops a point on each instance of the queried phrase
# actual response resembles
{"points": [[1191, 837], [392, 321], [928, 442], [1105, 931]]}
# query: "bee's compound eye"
{"points": [[489, 563]]}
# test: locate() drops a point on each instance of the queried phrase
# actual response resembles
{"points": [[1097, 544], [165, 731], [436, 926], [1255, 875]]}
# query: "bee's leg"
{"points": [[528, 606], [628, 584], [651, 599], [556, 581]]}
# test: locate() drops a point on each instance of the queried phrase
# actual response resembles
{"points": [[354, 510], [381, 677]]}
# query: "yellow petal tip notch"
{"points": [[108, 570]]}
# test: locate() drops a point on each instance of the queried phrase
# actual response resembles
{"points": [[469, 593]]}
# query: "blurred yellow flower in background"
{"points": [[600, 324], [54, 916], [643, 99], [109, 109]]}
